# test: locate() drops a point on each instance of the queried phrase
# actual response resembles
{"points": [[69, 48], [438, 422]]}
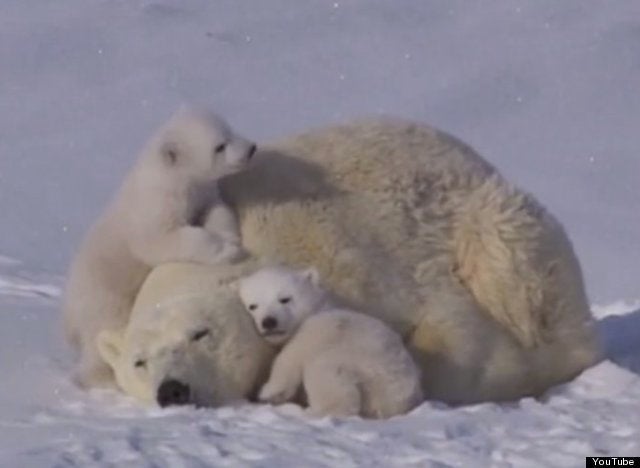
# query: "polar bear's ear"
{"points": [[109, 343], [170, 152], [312, 275]]}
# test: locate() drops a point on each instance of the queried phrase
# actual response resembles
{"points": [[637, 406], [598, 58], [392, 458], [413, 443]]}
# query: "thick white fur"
{"points": [[167, 209], [176, 333], [413, 227], [349, 363]]}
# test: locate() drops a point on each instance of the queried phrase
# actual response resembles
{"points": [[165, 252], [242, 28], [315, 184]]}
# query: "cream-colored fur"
{"points": [[176, 334], [168, 209], [349, 363], [413, 227]]}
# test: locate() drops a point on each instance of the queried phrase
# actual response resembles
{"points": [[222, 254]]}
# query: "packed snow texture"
{"points": [[546, 90]]}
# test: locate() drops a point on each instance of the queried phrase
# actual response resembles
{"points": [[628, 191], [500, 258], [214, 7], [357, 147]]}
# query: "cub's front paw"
{"points": [[226, 252], [275, 394], [233, 253]]}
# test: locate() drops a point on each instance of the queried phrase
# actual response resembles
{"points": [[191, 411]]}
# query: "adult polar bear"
{"points": [[413, 227]]}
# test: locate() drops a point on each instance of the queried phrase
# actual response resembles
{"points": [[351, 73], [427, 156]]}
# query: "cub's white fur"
{"points": [[168, 209], [349, 363]]}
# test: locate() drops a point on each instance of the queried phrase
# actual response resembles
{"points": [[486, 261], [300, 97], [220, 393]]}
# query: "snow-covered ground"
{"points": [[546, 90]]}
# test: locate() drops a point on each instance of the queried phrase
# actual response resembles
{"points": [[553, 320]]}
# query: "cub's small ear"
{"points": [[170, 152], [109, 343], [312, 275]]}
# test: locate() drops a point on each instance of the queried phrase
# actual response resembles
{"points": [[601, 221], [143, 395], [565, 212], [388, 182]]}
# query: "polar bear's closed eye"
{"points": [[200, 334]]}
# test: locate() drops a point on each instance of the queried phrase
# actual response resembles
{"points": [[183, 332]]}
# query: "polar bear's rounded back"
{"points": [[385, 210]]}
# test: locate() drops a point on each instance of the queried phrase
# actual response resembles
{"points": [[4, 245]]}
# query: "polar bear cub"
{"points": [[168, 209], [349, 363]]}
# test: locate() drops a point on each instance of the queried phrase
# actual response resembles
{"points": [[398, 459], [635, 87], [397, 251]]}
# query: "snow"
{"points": [[546, 90]]}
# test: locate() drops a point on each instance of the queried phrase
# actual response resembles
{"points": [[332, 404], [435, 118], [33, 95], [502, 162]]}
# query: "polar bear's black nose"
{"points": [[252, 150], [173, 392], [269, 323]]}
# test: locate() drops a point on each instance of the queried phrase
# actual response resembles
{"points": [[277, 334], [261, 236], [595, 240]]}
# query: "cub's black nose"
{"points": [[269, 323], [173, 392], [252, 150]]}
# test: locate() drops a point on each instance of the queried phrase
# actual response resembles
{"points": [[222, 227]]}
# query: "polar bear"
{"points": [[178, 349], [413, 227], [349, 363], [168, 209]]}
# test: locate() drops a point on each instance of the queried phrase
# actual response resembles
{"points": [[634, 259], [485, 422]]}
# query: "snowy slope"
{"points": [[547, 90]]}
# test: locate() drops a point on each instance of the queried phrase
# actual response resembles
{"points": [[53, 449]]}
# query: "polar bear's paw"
{"points": [[95, 376], [231, 252], [277, 393]]}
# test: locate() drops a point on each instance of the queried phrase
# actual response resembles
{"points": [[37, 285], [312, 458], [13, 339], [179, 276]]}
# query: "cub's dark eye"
{"points": [[140, 364], [252, 307], [284, 300], [220, 148], [198, 335]]}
